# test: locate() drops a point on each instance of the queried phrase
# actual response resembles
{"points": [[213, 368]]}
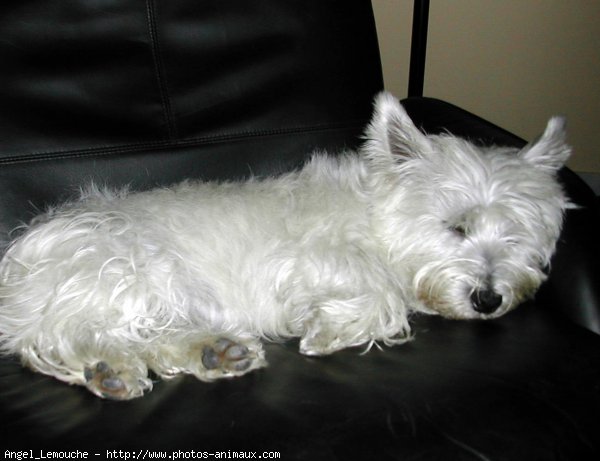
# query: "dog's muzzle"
{"points": [[486, 301]]}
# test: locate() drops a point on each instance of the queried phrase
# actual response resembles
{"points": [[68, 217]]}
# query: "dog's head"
{"points": [[471, 228]]}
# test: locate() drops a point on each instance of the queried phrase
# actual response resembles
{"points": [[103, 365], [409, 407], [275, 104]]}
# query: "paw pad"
{"points": [[226, 355], [103, 381]]}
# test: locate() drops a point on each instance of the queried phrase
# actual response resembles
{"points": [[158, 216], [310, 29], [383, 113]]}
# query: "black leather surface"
{"points": [[152, 92], [79, 75], [147, 93], [523, 387]]}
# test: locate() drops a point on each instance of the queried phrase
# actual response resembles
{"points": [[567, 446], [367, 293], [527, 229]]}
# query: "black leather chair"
{"points": [[149, 93]]}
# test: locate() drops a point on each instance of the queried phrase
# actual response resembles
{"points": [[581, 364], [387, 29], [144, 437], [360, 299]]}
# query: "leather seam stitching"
{"points": [[102, 151], [159, 70]]}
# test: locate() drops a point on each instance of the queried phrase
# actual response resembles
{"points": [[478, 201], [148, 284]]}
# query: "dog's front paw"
{"points": [[319, 337], [328, 331], [103, 381], [319, 345]]}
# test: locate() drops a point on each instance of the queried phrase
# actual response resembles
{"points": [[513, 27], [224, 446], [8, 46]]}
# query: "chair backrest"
{"points": [[149, 93], [418, 48]]}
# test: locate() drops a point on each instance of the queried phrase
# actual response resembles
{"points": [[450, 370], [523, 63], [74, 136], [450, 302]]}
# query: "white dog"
{"points": [[189, 279]]}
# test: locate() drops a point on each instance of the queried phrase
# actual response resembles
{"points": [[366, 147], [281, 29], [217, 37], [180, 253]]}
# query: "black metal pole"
{"points": [[418, 48]]}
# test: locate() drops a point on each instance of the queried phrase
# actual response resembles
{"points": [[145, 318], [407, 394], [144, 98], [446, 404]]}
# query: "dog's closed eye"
{"points": [[459, 229]]}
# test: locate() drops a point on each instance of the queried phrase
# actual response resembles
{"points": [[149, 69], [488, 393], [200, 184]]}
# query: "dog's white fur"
{"points": [[188, 279]]}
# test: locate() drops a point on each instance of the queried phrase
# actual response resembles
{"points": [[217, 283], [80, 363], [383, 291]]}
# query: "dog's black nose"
{"points": [[485, 301]]}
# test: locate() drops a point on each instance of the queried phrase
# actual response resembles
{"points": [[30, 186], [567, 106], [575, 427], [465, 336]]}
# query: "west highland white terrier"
{"points": [[191, 278]]}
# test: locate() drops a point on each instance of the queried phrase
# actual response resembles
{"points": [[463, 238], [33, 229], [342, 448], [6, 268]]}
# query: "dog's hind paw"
{"points": [[103, 381], [227, 357]]}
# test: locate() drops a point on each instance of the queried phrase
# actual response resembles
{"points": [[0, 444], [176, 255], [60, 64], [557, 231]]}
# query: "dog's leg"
{"points": [[208, 359], [116, 373]]}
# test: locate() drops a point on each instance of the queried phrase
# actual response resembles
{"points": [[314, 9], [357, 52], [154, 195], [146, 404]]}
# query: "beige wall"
{"points": [[513, 62]]}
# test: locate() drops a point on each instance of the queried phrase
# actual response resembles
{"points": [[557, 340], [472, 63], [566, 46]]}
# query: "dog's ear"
{"points": [[550, 151], [392, 132]]}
